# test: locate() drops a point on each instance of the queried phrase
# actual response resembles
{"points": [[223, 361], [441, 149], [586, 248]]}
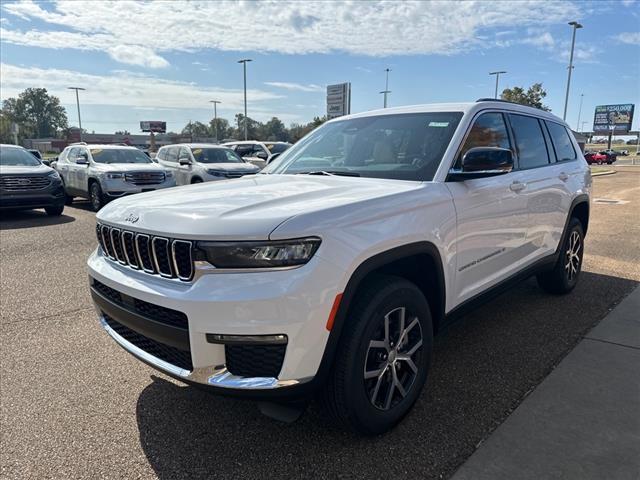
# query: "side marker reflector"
{"points": [[334, 311]]}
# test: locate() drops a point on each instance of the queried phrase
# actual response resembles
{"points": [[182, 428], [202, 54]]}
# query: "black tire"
{"points": [[54, 211], [351, 399], [68, 199], [96, 197], [196, 180], [564, 276]]}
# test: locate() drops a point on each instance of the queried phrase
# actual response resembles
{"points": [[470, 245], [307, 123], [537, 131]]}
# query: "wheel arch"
{"points": [[406, 261]]}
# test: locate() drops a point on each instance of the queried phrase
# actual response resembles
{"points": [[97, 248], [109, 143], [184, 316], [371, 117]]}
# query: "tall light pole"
{"points": [[582, 126], [580, 110], [575, 26], [78, 105], [215, 115], [386, 87], [497, 74], [244, 67]]}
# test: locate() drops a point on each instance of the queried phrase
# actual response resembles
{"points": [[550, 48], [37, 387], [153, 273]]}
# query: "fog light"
{"points": [[279, 339]]}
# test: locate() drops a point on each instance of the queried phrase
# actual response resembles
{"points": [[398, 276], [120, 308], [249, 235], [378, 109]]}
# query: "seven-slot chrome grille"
{"points": [[152, 254], [20, 184], [144, 178]]}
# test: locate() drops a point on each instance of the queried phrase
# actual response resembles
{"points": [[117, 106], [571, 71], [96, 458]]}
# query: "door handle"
{"points": [[563, 176], [517, 186]]}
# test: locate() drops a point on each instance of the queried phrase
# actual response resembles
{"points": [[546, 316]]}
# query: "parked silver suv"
{"points": [[203, 162], [104, 172]]}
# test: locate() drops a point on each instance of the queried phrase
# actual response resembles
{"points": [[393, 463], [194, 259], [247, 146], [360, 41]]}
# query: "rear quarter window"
{"points": [[562, 143]]}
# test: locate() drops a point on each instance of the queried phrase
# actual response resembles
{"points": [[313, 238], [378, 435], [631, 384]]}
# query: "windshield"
{"points": [[401, 146], [277, 147], [216, 155], [10, 156], [119, 155]]}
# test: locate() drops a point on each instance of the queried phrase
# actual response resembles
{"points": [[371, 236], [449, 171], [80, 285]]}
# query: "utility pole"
{"points": [[215, 114], [497, 74], [244, 67], [575, 26], [580, 110], [78, 105], [386, 90]]}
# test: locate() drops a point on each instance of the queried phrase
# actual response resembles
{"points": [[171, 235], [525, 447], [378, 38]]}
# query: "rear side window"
{"points": [[489, 130], [562, 143], [529, 140]]}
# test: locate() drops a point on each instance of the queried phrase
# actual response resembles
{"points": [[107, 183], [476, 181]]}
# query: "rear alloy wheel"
{"points": [[383, 356], [564, 276], [96, 197]]}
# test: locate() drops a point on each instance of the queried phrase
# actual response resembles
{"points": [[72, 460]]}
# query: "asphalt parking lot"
{"points": [[74, 405]]}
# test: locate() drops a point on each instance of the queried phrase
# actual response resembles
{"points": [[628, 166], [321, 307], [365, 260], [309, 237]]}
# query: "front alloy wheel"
{"points": [[392, 357], [573, 256]]}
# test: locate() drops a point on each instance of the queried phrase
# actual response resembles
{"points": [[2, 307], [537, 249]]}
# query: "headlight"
{"points": [[115, 175], [55, 175], [215, 173], [283, 253]]}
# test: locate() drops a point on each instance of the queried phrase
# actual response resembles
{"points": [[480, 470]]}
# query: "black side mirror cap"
{"points": [[184, 161], [481, 162]]}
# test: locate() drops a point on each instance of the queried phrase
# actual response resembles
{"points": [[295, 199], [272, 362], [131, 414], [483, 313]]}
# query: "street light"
{"points": [[386, 87], [575, 26], [580, 110], [78, 105], [244, 67], [215, 115], [497, 74]]}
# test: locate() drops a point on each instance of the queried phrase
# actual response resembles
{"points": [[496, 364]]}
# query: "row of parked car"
{"points": [[101, 173], [598, 158]]}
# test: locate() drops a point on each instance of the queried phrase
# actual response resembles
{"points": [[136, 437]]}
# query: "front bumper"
{"points": [[51, 197], [116, 187], [295, 303]]}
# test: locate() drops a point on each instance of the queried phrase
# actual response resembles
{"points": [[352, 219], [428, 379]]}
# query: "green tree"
{"points": [[225, 130], [274, 130], [253, 128], [196, 129], [37, 113], [532, 97], [297, 131]]}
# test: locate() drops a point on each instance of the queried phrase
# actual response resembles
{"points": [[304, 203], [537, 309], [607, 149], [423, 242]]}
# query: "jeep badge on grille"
{"points": [[131, 218]]}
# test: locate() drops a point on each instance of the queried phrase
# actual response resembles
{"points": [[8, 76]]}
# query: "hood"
{"points": [[249, 208], [230, 167], [25, 170], [129, 167]]}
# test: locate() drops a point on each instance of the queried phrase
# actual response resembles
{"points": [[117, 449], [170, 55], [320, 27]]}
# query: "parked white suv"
{"points": [[258, 153], [104, 172], [202, 162], [333, 269]]}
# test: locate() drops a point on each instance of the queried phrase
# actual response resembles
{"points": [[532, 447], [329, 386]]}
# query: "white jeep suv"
{"points": [[331, 271], [104, 172]]}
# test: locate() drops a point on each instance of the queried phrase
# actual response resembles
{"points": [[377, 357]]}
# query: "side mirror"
{"points": [[184, 161], [46, 162], [483, 162], [274, 156], [82, 159], [262, 155]]}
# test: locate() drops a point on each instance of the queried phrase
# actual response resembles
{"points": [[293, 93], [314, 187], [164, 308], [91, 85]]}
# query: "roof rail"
{"points": [[495, 100], [78, 143]]}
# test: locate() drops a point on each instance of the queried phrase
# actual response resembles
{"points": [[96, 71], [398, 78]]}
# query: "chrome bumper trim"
{"points": [[213, 376]]}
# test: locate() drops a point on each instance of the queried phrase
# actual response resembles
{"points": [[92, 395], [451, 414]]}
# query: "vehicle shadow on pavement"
{"points": [[483, 368], [30, 219]]}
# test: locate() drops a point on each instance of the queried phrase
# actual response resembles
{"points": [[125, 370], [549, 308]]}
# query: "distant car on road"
{"points": [[26, 183], [104, 172], [258, 153], [203, 162], [611, 155], [595, 157]]}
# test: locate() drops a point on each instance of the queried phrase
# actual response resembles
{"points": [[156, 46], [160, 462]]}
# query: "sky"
{"points": [[166, 60]]}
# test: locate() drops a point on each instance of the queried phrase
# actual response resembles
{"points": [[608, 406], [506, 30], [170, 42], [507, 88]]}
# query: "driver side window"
{"points": [[488, 130]]}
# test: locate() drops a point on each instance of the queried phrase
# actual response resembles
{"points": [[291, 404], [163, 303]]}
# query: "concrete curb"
{"points": [[606, 172]]}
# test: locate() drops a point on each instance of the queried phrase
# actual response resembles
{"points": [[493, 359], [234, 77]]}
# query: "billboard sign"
{"points": [[153, 126], [338, 100], [614, 119]]}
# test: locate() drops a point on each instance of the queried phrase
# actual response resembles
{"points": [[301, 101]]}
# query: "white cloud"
{"points": [[360, 28], [127, 89], [296, 86], [632, 38]]}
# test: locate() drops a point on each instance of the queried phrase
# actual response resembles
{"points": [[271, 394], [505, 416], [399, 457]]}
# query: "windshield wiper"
{"points": [[330, 173]]}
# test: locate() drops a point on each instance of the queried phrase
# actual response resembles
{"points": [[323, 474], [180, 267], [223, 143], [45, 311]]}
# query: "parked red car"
{"points": [[595, 157]]}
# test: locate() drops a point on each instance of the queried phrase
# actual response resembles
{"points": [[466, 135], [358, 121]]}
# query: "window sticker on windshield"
{"points": [[439, 124], [95, 151], [197, 151]]}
